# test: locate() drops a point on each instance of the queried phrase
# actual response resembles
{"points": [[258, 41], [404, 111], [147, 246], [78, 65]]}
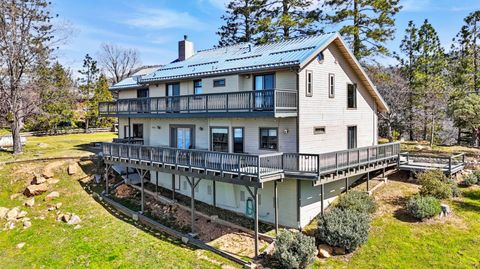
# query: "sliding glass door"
{"points": [[263, 99]]}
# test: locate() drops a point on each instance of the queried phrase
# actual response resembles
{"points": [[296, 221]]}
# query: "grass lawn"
{"points": [[396, 241], [102, 241], [57, 146]]}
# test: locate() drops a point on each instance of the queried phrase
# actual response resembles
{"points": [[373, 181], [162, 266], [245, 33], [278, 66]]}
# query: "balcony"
{"points": [[266, 103], [253, 169]]}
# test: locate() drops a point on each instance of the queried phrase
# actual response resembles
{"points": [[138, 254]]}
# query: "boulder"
{"points": [[445, 210], [30, 202], [12, 214], [27, 224], [339, 251], [3, 212], [66, 217], [52, 195], [74, 220], [10, 225], [52, 181], [72, 169], [22, 214], [38, 179], [58, 205], [33, 190], [325, 251], [47, 173], [21, 245]]}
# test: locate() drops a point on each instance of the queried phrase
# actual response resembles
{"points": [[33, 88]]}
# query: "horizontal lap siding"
{"points": [[320, 110]]}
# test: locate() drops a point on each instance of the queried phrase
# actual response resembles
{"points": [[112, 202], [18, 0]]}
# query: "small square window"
{"points": [[331, 85], [219, 83], [269, 138], [319, 130]]}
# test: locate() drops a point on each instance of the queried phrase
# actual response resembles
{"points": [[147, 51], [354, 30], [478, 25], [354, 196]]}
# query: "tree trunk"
{"points": [[356, 37], [432, 131], [17, 141], [86, 125], [389, 131]]}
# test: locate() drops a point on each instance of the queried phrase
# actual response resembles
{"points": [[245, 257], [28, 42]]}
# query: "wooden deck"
{"points": [[416, 163], [252, 169]]}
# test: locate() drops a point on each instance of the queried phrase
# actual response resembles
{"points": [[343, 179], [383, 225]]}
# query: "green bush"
{"points": [[423, 207], [470, 180], [343, 228], [456, 192], [294, 250], [435, 183], [357, 201], [477, 175]]}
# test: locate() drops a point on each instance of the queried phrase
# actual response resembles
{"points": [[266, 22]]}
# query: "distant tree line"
{"points": [[430, 91]]}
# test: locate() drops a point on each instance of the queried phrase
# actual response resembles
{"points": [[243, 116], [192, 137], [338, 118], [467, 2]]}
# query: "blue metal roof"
{"points": [[241, 57]]}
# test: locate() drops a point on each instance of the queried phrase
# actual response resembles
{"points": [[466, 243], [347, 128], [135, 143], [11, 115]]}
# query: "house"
{"points": [[283, 127]]}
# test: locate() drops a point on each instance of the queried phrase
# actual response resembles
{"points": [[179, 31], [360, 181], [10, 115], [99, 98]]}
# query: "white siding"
{"points": [[320, 110]]}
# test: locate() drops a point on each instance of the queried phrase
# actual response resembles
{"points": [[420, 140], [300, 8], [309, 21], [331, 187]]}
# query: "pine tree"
{"points": [[241, 21], [430, 78], [90, 75], [100, 94], [288, 19], [367, 24], [409, 49]]}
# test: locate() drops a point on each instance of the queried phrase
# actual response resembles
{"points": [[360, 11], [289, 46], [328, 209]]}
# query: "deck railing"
{"points": [[255, 165], [232, 163], [128, 140], [277, 101], [445, 163], [333, 162]]}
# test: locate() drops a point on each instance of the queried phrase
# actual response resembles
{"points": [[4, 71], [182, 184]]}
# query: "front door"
{"points": [[264, 97], [173, 99]]}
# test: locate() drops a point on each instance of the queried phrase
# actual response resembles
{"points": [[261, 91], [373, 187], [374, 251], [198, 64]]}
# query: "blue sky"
{"points": [[154, 27]]}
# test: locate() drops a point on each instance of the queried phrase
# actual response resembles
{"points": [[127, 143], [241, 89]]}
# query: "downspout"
{"points": [[298, 185]]}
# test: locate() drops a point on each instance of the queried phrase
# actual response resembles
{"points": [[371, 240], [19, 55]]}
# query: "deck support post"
{"points": [[214, 193], [383, 173], [173, 187], [156, 183], [192, 184], [254, 195], [368, 181], [275, 199], [322, 193], [142, 174], [346, 184], [107, 169]]}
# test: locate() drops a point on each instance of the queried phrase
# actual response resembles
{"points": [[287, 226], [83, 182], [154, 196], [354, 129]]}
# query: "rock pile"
{"points": [[14, 216], [68, 218]]}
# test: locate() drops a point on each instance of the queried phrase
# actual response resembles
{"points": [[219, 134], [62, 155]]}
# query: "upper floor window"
{"points": [[331, 85], [137, 130], [219, 82], [238, 140], [197, 86], [264, 82], [269, 138], [351, 96], [142, 93], [309, 83]]}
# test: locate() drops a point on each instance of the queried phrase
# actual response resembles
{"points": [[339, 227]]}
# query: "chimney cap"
{"points": [[185, 37]]}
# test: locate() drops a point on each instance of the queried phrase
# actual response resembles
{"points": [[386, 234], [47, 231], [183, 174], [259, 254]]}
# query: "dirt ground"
{"points": [[220, 236]]}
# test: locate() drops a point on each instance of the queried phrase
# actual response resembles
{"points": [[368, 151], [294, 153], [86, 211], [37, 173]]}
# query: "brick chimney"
{"points": [[185, 49]]}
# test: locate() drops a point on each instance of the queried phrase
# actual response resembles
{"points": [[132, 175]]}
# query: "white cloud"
{"points": [[157, 18], [416, 5]]}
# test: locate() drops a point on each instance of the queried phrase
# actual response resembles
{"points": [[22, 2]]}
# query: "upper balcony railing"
{"points": [[259, 166], [278, 103]]}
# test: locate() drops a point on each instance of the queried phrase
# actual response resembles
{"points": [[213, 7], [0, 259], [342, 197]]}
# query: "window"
{"points": [[219, 82], [319, 130], [219, 139], [309, 83], [197, 86], [352, 137], [264, 82], [331, 85], [238, 139], [142, 93], [269, 138], [137, 130], [351, 96]]}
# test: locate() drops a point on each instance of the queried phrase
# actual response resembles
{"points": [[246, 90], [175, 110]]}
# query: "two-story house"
{"points": [[283, 127]]}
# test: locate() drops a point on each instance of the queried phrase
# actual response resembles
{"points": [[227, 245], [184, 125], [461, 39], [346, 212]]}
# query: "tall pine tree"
{"points": [[90, 75], [241, 21], [366, 24]]}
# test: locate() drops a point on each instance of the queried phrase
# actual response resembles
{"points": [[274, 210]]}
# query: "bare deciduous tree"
{"points": [[118, 62], [25, 34]]}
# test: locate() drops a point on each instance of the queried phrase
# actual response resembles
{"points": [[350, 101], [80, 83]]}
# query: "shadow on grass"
{"points": [[94, 147], [401, 213], [471, 201]]}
